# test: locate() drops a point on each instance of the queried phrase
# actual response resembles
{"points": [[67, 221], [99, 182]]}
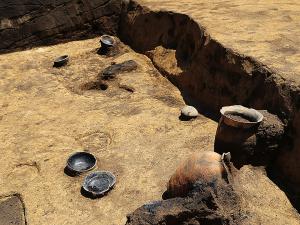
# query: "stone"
{"points": [[207, 205], [189, 111], [12, 211], [112, 71]]}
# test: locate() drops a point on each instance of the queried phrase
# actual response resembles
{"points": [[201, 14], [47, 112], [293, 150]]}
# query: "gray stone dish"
{"points": [[99, 183]]}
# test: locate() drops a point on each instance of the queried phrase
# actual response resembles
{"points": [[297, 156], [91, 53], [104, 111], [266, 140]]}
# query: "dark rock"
{"points": [[112, 71], [242, 200], [269, 137], [205, 205], [12, 211]]}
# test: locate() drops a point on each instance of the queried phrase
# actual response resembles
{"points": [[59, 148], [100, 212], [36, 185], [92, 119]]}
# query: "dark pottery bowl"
{"points": [[61, 61], [98, 183], [107, 41], [80, 162]]}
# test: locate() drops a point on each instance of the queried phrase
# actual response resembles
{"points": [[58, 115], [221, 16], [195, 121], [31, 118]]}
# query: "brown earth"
{"points": [[267, 31]]}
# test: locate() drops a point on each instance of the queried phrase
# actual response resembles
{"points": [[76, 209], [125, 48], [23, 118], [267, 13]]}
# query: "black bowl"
{"points": [[61, 61], [107, 41], [81, 162], [99, 183]]}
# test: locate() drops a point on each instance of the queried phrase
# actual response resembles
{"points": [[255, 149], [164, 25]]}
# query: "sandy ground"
{"points": [[46, 115], [265, 29]]}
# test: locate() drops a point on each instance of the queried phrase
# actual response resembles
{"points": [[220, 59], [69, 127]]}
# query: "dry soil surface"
{"points": [[132, 128]]}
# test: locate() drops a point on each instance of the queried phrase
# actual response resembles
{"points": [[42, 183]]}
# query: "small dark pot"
{"points": [[61, 61], [107, 43], [80, 162]]}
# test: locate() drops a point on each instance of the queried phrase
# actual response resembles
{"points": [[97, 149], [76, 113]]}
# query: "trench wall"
{"points": [[212, 76], [27, 23]]}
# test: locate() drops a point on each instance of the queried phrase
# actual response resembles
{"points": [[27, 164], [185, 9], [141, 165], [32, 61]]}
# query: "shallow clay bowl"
{"points": [[61, 61], [251, 116], [99, 183], [81, 162], [107, 41]]}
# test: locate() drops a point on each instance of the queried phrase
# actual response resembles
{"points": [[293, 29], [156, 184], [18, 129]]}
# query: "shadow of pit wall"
{"points": [[212, 75]]}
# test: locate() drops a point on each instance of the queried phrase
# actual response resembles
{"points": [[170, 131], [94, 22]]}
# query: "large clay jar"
{"points": [[237, 133], [206, 167]]}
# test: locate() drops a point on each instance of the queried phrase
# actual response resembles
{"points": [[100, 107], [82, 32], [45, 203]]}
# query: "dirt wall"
{"points": [[29, 23], [211, 76]]}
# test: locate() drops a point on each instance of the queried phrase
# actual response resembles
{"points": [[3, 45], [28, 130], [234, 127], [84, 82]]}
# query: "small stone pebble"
{"points": [[189, 111]]}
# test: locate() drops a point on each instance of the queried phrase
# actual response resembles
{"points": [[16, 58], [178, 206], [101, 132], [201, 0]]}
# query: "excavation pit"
{"points": [[139, 125], [48, 112]]}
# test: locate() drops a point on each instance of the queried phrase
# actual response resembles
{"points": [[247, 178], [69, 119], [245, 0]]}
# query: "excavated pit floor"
{"points": [[132, 127]]}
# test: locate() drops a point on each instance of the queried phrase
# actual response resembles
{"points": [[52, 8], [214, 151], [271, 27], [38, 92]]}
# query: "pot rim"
{"points": [[239, 109]]}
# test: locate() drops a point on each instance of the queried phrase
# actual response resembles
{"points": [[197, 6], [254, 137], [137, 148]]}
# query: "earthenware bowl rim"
{"points": [[61, 59], [77, 153], [111, 185], [110, 37], [241, 110]]}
